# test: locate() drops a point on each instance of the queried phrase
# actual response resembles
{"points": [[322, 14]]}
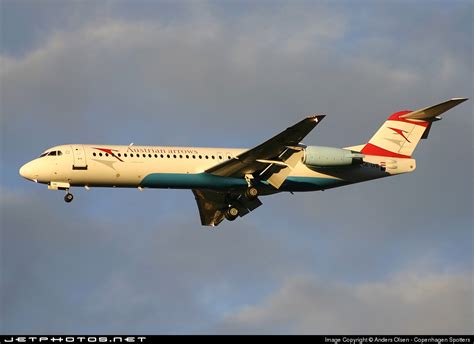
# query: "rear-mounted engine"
{"points": [[317, 156]]}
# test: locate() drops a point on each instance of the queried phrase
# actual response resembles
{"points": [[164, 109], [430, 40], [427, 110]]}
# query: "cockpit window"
{"points": [[52, 153]]}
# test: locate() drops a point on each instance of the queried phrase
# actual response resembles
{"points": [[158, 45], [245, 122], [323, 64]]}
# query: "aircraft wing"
{"points": [[273, 160], [268, 153], [212, 204]]}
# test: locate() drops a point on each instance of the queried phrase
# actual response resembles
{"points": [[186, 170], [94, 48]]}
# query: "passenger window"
{"points": [[212, 157], [106, 154], [194, 157], [149, 155], [125, 155], [100, 154], [131, 155], [200, 157], [207, 157], [161, 155], [220, 157], [156, 155], [94, 154], [174, 156], [187, 156], [180, 156], [168, 156], [119, 155]]}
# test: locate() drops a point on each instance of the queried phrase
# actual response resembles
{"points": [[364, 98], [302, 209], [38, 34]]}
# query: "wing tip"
{"points": [[459, 99], [316, 118]]}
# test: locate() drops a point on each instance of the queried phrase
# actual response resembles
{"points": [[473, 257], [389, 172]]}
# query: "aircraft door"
{"points": [[79, 156]]}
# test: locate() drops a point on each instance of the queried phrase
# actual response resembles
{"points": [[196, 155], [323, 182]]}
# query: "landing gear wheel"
{"points": [[231, 213], [68, 198], [251, 193]]}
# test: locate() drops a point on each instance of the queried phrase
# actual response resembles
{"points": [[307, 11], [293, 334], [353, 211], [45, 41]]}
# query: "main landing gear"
{"points": [[251, 193], [240, 204], [231, 213], [68, 198]]}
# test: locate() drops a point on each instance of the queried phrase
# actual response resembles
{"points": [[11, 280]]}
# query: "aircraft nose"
{"points": [[26, 171]]}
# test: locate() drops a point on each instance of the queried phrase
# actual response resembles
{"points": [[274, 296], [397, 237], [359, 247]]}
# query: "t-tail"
{"points": [[402, 131]]}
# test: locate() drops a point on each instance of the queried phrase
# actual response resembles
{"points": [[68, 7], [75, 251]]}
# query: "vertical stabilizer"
{"points": [[402, 131]]}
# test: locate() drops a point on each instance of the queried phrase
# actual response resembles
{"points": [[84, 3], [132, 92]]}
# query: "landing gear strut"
{"points": [[68, 198], [251, 192]]}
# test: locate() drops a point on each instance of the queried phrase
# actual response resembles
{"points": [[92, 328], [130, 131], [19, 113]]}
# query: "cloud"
{"points": [[166, 274], [158, 276], [410, 302], [281, 64]]}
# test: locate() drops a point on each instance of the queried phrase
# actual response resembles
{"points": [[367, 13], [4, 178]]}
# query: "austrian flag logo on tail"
{"points": [[401, 133], [110, 151]]}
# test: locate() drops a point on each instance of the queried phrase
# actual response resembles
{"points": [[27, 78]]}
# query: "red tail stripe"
{"points": [[371, 149], [396, 117]]}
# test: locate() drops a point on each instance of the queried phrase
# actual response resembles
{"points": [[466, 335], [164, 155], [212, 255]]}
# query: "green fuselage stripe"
{"points": [[213, 182]]}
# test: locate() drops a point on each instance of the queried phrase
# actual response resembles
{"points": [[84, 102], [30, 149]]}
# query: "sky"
{"points": [[388, 256]]}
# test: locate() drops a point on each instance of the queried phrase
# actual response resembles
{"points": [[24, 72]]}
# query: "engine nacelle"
{"points": [[317, 156]]}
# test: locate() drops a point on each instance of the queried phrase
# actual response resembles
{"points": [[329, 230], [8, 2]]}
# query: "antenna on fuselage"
{"points": [[131, 144]]}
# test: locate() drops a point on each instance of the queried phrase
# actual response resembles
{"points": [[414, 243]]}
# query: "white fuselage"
{"points": [[184, 167]]}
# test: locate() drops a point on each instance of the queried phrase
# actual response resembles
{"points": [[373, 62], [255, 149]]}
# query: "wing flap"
{"points": [[276, 175], [251, 205]]}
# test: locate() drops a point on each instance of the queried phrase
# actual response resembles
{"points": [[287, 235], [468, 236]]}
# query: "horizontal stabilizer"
{"points": [[432, 112]]}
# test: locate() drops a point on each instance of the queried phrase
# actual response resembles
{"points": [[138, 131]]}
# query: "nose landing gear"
{"points": [[68, 198]]}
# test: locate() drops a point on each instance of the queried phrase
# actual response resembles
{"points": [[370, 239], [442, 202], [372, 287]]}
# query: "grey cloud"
{"points": [[411, 302], [172, 276], [94, 276], [204, 71]]}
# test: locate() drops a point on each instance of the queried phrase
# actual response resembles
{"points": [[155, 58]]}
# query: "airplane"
{"points": [[227, 182]]}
